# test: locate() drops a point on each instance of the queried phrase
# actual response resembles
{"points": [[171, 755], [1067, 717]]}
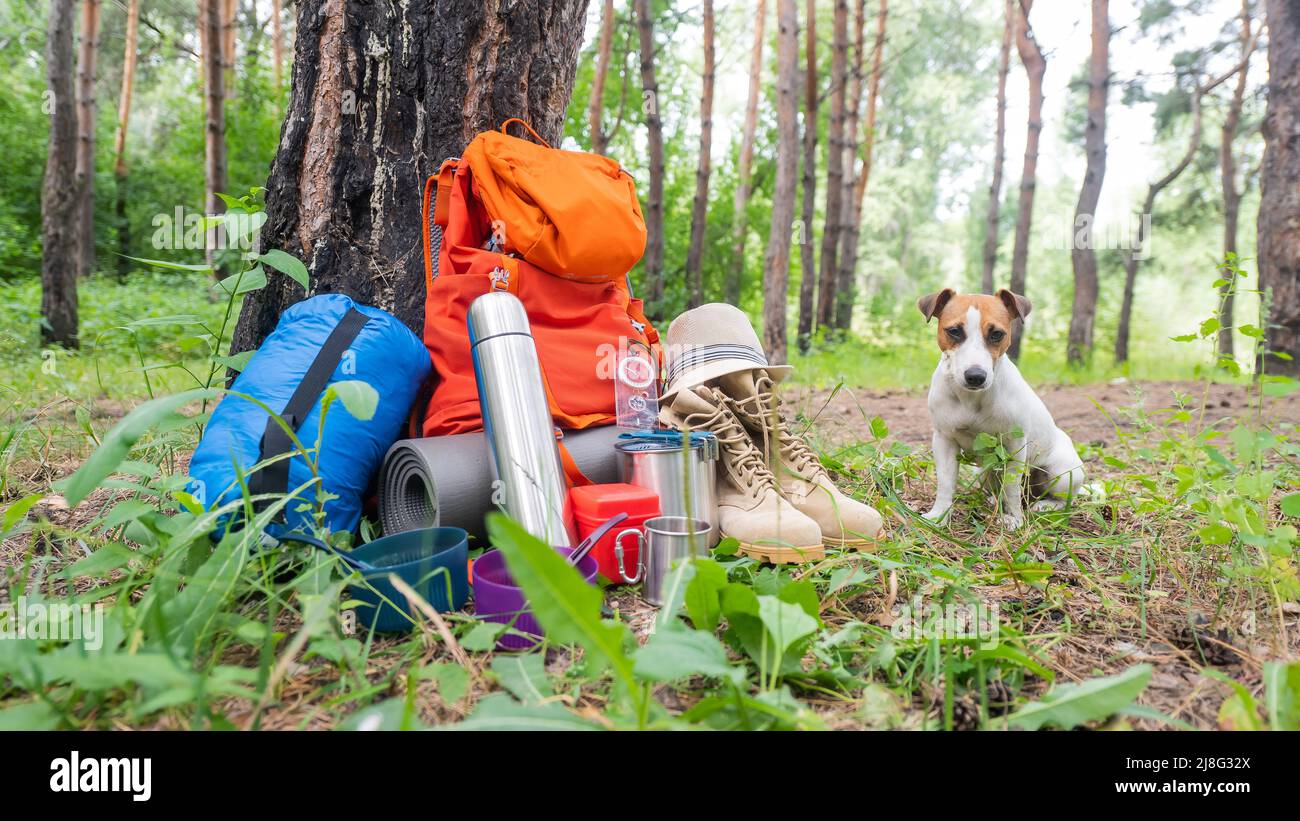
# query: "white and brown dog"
{"points": [[977, 389]]}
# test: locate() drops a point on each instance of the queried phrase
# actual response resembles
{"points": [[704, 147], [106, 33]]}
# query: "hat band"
{"points": [[693, 356]]}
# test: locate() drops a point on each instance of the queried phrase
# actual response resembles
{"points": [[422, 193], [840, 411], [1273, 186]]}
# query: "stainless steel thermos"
{"points": [[529, 482]]}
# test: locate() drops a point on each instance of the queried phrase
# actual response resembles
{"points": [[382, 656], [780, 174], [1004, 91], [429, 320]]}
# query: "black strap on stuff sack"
{"points": [[274, 478]]}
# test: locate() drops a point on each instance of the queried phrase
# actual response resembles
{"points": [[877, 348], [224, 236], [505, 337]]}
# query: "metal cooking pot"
{"points": [[684, 474]]}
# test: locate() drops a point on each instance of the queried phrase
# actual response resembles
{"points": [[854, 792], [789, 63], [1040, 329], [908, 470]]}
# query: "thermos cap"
{"points": [[496, 313]]}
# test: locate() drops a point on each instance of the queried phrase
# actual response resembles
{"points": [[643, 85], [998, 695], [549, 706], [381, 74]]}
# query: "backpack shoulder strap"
{"points": [[438, 206]]}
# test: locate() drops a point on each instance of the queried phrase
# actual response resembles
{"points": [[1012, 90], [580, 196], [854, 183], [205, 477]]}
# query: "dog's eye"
{"points": [[956, 333], [996, 336]]}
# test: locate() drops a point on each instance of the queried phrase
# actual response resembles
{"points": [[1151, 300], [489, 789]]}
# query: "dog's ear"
{"points": [[1016, 304], [931, 305]]}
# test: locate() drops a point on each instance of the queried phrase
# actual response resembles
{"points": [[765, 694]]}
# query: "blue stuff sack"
{"points": [[317, 342]]}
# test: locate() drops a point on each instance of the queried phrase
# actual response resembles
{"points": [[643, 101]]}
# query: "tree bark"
{"points": [[807, 251], [1228, 175], [228, 10], [744, 165], [59, 199], [999, 153], [776, 262], [86, 111], [848, 261], [1082, 255], [596, 105], [700, 208], [277, 43], [119, 145], [1035, 63], [214, 96], [381, 95], [1279, 204], [834, 168], [654, 211]]}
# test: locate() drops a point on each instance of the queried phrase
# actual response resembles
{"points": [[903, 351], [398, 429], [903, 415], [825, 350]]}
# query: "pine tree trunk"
{"points": [[596, 105], [776, 262], [745, 163], [277, 43], [228, 9], [381, 95], [654, 211], [119, 145], [214, 96], [999, 153], [59, 188], [1082, 255], [846, 279], [700, 208], [1031, 56], [1279, 204], [86, 118], [834, 168], [1228, 176], [852, 112], [807, 251]]}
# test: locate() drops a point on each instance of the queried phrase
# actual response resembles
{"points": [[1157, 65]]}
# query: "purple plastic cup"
{"points": [[498, 599]]}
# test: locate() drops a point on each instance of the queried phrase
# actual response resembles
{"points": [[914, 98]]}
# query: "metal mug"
{"points": [[665, 541], [683, 474]]}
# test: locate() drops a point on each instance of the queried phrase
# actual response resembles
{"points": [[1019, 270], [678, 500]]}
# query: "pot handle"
{"points": [[618, 554]]}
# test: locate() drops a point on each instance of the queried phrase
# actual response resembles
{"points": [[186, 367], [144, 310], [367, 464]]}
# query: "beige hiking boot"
{"points": [[750, 507], [844, 522]]}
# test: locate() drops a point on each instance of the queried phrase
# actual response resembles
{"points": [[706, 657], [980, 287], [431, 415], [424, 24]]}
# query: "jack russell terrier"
{"points": [[976, 389]]}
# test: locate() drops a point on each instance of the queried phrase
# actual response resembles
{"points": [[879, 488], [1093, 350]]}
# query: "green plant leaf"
{"points": [[702, 594], [524, 675], [288, 265], [358, 397], [453, 680], [254, 279], [118, 442], [675, 654], [189, 616], [237, 362], [1291, 504], [175, 266], [482, 636], [1070, 705], [567, 608], [1282, 694], [29, 715], [500, 712], [15, 513]]}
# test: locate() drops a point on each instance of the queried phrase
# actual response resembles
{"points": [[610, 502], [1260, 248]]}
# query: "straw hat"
{"points": [[712, 341]]}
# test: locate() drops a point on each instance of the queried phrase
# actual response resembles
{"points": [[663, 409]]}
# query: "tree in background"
{"points": [[1035, 63], [999, 151], [59, 200], [776, 262], [86, 119], [277, 44], [834, 168], [119, 143], [1082, 256], [654, 210], [848, 261], [745, 163], [214, 96], [1279, 203], [703, 168], [596, 105], [852, 110], [347, 178], [1232, 191], [807, 251]]}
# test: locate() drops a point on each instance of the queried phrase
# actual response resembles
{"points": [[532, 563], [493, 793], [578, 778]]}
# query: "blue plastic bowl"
{"points": [[433, 561]]}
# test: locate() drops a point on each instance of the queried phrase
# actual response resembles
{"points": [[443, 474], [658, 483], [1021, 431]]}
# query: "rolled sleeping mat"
{"points": [[446, 481]]}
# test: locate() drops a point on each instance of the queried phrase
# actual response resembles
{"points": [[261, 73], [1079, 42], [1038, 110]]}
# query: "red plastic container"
{"points": [[593, 505]]}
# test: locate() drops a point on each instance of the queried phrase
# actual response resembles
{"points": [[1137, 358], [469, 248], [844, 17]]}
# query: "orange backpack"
{"points": [[558, 229]]}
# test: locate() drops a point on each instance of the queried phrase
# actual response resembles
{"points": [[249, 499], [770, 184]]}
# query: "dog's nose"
{"points": [[975, 377]]}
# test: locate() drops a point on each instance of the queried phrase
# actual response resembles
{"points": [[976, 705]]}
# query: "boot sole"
{"points": [[776, 554], [858, 545]]}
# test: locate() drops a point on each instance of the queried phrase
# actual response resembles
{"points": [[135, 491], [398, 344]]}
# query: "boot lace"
{"points": [[773, 425], [746, 465]]}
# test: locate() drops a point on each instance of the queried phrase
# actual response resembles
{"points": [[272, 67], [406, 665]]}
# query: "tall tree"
{"points": [[1232, 191], [1035, 63], [654, 251], [999, 151], [346, 181], [1278, 225], [596, 105], [59, 188], [119, 144], [86, 118], [834, 167], [277, 43], [214, 126], [228, 30], [703, 168], [852, 110], [848, 262], [1082, 255], [776, 262], [745, 163], [807, 251]]}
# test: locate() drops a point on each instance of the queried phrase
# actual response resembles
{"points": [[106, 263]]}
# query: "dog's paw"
{"points": [[936, 515], [1047, 505], [1010, 521]]}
